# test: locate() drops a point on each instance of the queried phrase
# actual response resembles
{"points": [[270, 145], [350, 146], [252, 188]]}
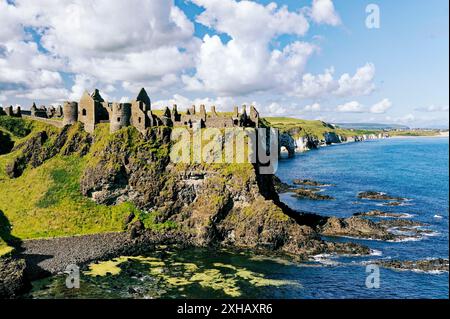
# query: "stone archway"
{"points": [[288, 143]]}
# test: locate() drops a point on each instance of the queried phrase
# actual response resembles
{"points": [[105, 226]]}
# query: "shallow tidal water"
{"points": [[416, 169]]}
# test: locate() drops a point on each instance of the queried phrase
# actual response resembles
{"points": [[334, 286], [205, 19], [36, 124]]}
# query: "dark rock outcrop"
{"points": [[378, 213], [354, 227], [426, 265], [13, 280], [212, 204], [46, 144], [6, 144], [378, 196], [308, 182], [310, 193]]}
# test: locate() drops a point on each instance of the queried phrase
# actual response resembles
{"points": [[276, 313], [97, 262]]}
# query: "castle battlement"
{"points": [[92, 110]]}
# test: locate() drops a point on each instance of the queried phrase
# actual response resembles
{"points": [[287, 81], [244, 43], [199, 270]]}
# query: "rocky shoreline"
{"points": [[41, 258], [437, 265], [300, 144]]}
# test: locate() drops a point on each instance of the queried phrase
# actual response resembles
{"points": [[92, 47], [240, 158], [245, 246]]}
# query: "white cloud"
{"points": [[322, 85], [381, 107], [350, 107], [315, 107], [123, 46], [361, 83], [433, 108], [316, 85], [136, 41], [245, 64], [183, 102], [405, 119], [323, 11], [49, 93]]}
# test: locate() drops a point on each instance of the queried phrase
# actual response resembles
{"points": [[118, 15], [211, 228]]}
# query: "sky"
{"points": [[314, 59]]}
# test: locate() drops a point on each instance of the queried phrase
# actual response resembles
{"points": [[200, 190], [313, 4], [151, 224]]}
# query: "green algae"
{"points": [[220, 277]]}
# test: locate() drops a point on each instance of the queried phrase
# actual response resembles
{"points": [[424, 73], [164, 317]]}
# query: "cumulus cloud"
{"points": [[122, 46], [316, 85], [49, 93], [325, 84], [381, 107], [323, 12], [135, 41], [315, 107], [350, 107], [356, 107], [245, 64], [361, 83], [183, 102]]}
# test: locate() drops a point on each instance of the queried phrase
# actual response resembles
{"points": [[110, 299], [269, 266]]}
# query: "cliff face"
{"points": [[127, 174], [213, 204], [295, 143]]}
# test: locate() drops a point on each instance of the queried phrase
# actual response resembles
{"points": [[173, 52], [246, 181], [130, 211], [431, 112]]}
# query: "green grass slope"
{"points": [[299, 127], [46, 201]]}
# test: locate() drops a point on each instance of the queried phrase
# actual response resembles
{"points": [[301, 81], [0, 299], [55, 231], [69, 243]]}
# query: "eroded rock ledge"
{"points": [[427, 265]]}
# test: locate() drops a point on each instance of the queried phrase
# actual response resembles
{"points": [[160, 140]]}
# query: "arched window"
{"points": [[84, 113], [118, 119], [140, 120]]}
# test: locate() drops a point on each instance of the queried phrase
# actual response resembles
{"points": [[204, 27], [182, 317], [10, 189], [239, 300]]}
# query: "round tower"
{"points": [[120, 116], [70, 113]]}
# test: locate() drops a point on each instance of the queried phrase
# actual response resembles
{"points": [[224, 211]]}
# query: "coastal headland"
{"points": [[76, 194]]}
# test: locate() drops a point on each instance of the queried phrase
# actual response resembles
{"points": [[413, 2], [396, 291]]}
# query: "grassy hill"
{"points": [[46, 201], [299, 127]]}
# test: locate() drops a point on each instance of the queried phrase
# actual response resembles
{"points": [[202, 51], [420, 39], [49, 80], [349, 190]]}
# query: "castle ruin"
{"points": [[92, 110]]}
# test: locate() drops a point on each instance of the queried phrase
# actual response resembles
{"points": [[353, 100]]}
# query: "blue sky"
{"points": [[314, 59]]}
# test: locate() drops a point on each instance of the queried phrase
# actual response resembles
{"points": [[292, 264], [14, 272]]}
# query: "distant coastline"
{"points": [[440, 135]]}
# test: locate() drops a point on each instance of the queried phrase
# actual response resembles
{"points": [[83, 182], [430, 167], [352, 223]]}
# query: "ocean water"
{"points": [[415, 168]]}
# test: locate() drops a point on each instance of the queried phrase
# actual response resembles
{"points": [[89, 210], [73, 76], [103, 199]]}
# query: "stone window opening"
{"points": [[84, 112], [118, 119], [140, 120]]}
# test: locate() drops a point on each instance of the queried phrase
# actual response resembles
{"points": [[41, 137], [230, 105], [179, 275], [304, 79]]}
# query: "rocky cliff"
{"points": [[207, 204], [299, 144]]}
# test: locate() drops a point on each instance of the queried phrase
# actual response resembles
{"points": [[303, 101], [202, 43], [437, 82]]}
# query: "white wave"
{"points": [[402, 216], [325, 259], [387, 204], [406, 239], [438, 216], [375, 252], [432, 234], [430, 272]]}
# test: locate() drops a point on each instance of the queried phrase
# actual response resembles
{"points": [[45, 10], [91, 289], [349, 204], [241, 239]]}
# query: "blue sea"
{"points": [[413, 168]]}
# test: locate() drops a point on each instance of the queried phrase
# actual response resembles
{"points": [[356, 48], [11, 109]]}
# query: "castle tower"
{"points": [[96, 96], [203, 112], [176, 117], [141, 116], [254, 116], [9, 110], [33, 109], [213, 111], [243, 117], [167, 117], [120, 116], [59, 111], [51, 111], [17, 112], [70, 113], [236, 112]]}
